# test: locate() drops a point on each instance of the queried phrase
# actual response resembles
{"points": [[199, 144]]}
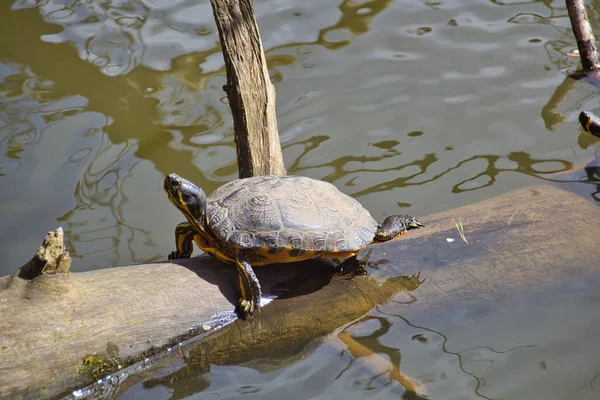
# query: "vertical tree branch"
{"points": [[586, 43], [249, 90]]}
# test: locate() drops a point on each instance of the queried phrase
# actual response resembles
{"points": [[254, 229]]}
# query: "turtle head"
{"points": [[188, 198]]}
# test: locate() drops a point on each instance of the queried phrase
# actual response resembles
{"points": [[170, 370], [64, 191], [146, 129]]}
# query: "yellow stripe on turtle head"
{"points": [[182, 205], [588, 124]]}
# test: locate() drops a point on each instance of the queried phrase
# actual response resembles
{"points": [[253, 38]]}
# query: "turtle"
{"points": [[590, 122], [263, 220]]}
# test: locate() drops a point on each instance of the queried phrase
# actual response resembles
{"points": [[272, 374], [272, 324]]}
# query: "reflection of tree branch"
{"points": [[351, 20], [551, 117], [479, 381], [358, 348], [360, 352], [309, 145], [105, 169], [525, 165], [592, 382]]}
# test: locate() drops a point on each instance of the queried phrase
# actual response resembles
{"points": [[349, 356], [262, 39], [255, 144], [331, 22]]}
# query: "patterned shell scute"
{"points": [[290, 212], [336, 240], [290, 239], [314, 241], [242, 239], [266, 239]]}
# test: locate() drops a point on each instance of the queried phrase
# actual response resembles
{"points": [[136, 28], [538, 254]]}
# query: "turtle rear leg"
{"points": [[353, 266], [250, 293], [395, 225], [184, 236]]}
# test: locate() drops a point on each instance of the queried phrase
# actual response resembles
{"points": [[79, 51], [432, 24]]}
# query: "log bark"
{"points": [[61, 331], [249, 90], [586, 42]]}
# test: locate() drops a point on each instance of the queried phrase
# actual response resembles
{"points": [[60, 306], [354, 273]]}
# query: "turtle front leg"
{"points": [[250, 293], [184, 237], [395, 225]]}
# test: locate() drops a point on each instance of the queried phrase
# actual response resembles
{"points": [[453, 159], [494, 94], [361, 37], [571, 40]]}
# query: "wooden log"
{"points": [[586, 42], [525, 239], [249, 90]]}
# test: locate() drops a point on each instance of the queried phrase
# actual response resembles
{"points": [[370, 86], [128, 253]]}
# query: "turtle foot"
{"points": [[246, 308], [250, 293], [352, 267], [176, 255]]}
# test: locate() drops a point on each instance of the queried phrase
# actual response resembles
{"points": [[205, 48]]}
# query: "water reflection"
{"points": [[473, 361], [21, 93], [368, 347], [417, 170], [101, 196], [33, 114]]}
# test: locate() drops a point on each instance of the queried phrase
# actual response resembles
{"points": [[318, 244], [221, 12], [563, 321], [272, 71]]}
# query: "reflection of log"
{"points": [[49, 324], [586, 43], [550, 114], [376, 363], [249, 90]]}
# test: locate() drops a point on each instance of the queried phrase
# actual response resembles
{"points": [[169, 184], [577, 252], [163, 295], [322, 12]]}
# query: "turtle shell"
{"points": [[288, 212]]}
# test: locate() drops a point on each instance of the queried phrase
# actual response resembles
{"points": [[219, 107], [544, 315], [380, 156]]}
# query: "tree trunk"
{"points": [[586, 43], [249, 90], [60, 331]]}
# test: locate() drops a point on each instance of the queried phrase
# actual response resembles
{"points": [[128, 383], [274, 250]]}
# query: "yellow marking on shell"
{"points": [[284, 255], [209, 247], [588, 124], [265, 257], [219, 255]]}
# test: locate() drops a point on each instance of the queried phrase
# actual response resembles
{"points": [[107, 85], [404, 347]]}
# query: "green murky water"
{"points": [[416, 106]]}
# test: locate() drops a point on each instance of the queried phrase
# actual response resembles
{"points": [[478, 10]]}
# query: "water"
{"points": [[410, 106]]}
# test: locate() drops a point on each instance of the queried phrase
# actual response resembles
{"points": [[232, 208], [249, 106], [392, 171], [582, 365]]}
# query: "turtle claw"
{"points": [[250, 293], [352, 267], [246, 308], [176, 255]]}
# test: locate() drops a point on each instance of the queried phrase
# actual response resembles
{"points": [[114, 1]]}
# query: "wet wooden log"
{"points": [[60, 331], [586, 42], [249, 90]]}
